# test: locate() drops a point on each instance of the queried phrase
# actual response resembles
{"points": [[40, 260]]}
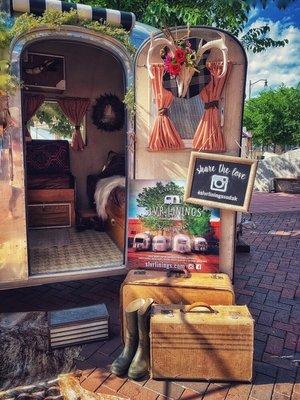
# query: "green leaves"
{"points": [[274, 117], [50, 114], [281, 4], [129, 101], [195, 220], [231, 15], [52, 19], [197, 223], [257, 41], [153, 200]]}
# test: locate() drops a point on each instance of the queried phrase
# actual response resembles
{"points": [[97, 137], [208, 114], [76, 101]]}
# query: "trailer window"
{"points": [[49, 122], [139, 240], [186, 115]]}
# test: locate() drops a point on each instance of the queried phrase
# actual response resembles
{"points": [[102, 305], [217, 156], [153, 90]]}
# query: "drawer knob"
{"points": [[113, 221]]}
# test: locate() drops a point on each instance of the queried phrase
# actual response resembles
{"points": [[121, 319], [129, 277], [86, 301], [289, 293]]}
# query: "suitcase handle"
{"points": [[171, 272], [178, 272], [198, 304]]}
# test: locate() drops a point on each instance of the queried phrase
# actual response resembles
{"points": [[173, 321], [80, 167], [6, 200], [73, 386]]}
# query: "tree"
{"points": [[156, 223], [273, 117], [160, 216], [231, 15], [51, 115], [152, 199], [197, 224]]}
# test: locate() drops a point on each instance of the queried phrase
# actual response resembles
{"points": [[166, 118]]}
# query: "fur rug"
{"points": [[102, 192], [25, 353]]}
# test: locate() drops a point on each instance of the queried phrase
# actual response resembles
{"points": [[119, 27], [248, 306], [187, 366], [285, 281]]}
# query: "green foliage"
{"points": [[155, 223], [53, 19], [231, 15], [51, 114], [119, 34], [8, 82], [4, 30], [152, 198], [195, 220], [281, 4], [129, 101], [273, 117], [199, 224], [256, 40]]}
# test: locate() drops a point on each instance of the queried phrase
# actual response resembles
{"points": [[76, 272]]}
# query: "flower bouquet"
{"points": [[180, 60], [181, 64]]}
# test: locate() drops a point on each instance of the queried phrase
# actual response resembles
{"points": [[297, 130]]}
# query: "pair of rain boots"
{"points": [[135, 356]]}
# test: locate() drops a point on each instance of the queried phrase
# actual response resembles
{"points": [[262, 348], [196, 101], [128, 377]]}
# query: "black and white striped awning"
{"points": [[112, 17]]}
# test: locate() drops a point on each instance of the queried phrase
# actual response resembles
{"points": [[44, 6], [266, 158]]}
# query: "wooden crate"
{"points": [[52, 215], [50, 197]]}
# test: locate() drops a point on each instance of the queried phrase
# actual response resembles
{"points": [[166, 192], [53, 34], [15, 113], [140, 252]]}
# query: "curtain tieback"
{"points": [[211, 104], [162, 111]]}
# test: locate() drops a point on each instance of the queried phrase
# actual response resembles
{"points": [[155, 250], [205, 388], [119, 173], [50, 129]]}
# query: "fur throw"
{"points": [[103, 190]]}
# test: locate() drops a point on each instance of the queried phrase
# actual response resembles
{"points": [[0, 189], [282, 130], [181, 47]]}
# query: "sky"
{"points": [[277, 65]]}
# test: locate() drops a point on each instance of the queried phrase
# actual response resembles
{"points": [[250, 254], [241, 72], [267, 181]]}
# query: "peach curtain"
{"points": [[164, 135], [75, 109], [208, 135], [31, 103]]}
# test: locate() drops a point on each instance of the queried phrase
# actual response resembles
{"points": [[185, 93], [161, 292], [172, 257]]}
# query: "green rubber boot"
{"points": [[139, 366], [122, 363]]}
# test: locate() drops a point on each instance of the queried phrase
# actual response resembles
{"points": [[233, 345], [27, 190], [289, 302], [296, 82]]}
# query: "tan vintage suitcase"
{"points": [[175, 288], [201, 342]]}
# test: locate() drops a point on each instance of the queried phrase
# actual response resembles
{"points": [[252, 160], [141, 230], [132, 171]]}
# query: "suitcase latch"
{"points": [[216, 276], [235, 315]]}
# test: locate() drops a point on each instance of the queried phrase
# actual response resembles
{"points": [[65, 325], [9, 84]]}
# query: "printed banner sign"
{"points": [[220, 181], [164, 232]]}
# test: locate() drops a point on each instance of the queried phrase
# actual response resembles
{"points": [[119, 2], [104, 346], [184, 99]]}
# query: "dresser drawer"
{"points": [[51, 215]]}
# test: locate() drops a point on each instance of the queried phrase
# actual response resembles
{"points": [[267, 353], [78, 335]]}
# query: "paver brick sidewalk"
{"points": [[267, 280]]}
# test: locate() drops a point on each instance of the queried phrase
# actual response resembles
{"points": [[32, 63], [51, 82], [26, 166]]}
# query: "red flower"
{"points": [[180, 55], [174, 69]]}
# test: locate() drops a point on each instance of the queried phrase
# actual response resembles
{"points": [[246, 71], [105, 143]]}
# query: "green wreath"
{"points": [[108, 113]]}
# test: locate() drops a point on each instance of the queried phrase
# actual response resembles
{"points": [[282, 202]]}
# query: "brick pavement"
{"points": [[267, 280], [274, 202]]}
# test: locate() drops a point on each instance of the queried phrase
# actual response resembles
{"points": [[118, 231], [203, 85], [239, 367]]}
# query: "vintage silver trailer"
{"points": [[200, 244], [95, 64], [142, 242], [161, 243], [182, 243]]}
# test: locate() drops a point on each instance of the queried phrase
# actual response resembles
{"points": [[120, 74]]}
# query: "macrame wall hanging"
{"points": [[181, 63]]}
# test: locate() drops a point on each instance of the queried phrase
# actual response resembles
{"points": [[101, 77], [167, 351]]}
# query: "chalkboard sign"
{"points": [[220, 181]]}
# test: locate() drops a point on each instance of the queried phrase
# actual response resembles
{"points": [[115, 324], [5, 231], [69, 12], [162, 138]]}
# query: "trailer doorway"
{"points": [[65, 232]]}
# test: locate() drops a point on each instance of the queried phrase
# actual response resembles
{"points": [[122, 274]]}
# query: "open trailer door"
{"points": [[13, 241], [21, 261]]}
